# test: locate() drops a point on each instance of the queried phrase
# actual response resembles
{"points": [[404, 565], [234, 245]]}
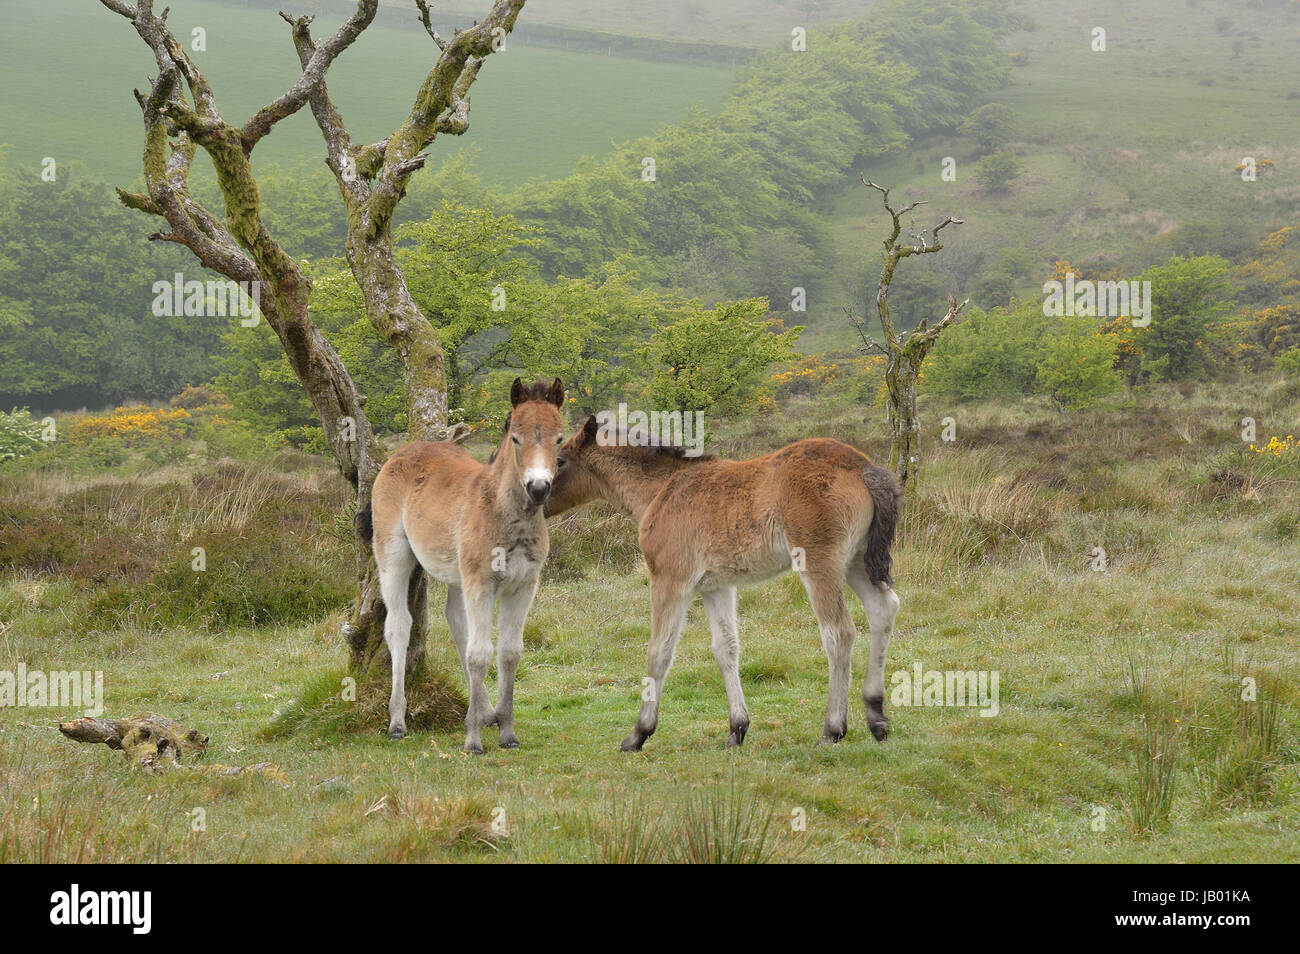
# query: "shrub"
{"points": [[998, 172], [1288, 363], [1078, 365], [197, 396], [990, 354], [20, 434], [130, 424], [806, 376], [101, 453], [718, 360], [1190, 298], [990, 125]]}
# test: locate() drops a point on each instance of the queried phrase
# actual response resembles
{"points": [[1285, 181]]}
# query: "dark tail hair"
{"points": [[887, 498], [365, 523]]}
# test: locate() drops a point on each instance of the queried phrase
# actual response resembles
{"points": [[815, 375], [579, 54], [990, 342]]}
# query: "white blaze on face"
{"points": [[534, 474], [537, 468]]}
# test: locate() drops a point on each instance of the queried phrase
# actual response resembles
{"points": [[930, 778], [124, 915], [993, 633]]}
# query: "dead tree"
{"points": [[181, 116], [904, 353]]}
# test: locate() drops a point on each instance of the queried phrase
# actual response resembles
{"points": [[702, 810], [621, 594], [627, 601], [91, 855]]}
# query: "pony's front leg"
{"points": [[510, 647], [669, 600], [478, 601]]}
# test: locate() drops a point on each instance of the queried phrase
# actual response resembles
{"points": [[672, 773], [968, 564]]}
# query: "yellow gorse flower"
{"points": [[128, 423], [1279, 448]]}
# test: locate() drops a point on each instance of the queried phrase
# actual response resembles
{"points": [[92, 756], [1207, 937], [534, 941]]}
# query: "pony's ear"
{"points": [[517, 392], [588, 430], [556, 394]]}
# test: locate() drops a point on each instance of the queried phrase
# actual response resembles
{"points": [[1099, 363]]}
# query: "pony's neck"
{"points": [[631, 481], [507, 484]]}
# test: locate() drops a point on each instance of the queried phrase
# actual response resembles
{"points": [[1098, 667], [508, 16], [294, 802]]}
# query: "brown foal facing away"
{"points": [[710, 525], [478, 528]]}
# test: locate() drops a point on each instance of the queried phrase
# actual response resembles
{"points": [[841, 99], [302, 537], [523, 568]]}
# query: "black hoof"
{"points": [[880, 730], [473, 749], [737, 736], [832, 736], [633, 743], [509, 743], [396, 735]]}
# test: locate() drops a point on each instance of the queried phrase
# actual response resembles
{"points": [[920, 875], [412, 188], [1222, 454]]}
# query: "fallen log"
{"points": [[148, 739], [156, 743]]}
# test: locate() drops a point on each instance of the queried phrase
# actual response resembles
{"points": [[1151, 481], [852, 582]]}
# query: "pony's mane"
{"points": [[649, 449]]}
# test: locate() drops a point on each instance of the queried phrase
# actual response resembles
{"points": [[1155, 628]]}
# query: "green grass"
{"points": [[536, 111], [993, 573]]}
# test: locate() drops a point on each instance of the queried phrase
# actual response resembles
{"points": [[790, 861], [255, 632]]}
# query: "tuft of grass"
{"points": [[717, 826], [436, 822], [1149, 798], [722, 827], [323, 708], [1245, 767], [627, 833]]}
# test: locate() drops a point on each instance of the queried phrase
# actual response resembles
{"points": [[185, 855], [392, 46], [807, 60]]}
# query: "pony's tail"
{"points": [[887, 500], [365, 524]]}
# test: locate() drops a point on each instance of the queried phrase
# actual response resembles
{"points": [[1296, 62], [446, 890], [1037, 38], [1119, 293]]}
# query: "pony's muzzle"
{"points": [[538, 491]]}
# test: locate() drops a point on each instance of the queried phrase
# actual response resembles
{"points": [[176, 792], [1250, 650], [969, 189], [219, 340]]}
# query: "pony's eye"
{"points": [[559, 440], [515, 438], [560, 462]]}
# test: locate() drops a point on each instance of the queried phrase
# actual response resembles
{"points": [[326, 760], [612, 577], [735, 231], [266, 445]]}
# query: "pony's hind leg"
{"points": [[396, 563], [456, 622], [826, 593], [668, 602], [881, 603], [510, 647], [720, 606]]}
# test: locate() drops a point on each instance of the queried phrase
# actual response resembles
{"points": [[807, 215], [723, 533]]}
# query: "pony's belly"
{"points": [[742, 569], [443, 567]]}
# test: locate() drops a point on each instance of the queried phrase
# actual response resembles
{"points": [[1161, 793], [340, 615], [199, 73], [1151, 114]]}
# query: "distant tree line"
{"points": [[731, 214]]}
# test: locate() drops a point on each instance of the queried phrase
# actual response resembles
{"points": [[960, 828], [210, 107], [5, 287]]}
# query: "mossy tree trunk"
{"points": [[905, 353], [181, 116]]}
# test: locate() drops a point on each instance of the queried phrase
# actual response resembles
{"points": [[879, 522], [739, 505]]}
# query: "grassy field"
{"points": [[1106, 677], [528, 97], [1120, 149]]}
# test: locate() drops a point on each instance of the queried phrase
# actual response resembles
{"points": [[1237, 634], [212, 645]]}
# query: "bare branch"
{"points": [[141, 203], [410, 165], [954, 310], [121, 8], [428, 26], [340, 155], [313, 72]]}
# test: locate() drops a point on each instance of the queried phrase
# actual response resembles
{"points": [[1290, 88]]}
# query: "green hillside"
{"points": [[1128, 155], [535, 112]]}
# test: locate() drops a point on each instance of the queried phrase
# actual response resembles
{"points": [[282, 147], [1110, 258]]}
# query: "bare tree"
{"points": [[181, 116], [904, 353]]}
